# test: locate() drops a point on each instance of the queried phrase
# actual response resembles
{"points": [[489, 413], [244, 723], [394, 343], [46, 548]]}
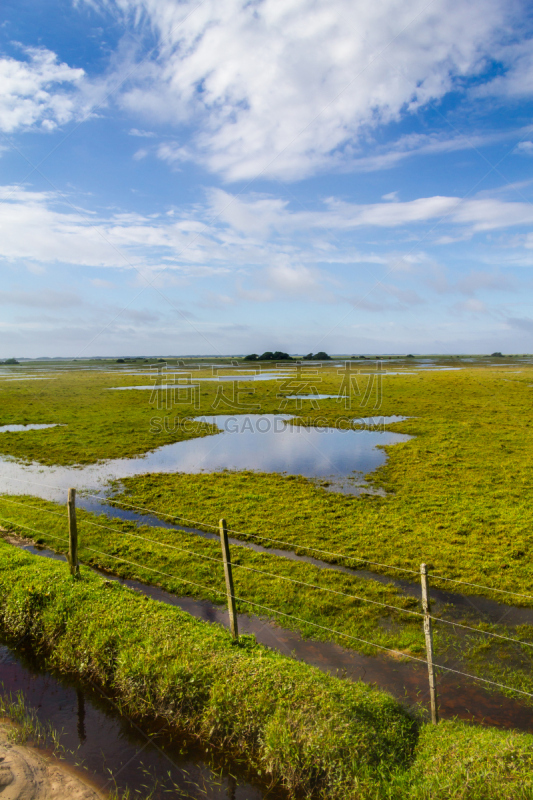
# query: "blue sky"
{"points": [[229, 177]]}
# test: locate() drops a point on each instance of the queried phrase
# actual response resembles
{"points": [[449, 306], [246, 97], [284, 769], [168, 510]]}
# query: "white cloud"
{"points": [[285, 89], [142, 134], [257, 242], [524, 148], [516, 82], [480, 280], [173, 153], [37, 92], [295, 281], [472, 306], [261, 215]]}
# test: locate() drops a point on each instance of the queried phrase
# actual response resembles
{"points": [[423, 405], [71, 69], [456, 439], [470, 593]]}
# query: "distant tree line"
{"points": [[268, 355]]}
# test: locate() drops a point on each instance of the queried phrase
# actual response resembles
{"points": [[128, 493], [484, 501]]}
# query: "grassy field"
{"points": [[314, 734], [457, 494], [189, 565], [351, 610]]}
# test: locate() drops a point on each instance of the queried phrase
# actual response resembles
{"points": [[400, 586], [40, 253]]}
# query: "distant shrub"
{"points": [[251, 357], [277, 356], [321, 356]]}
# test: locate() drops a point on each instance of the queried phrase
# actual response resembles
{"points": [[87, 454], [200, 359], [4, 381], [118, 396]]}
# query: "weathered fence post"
{"points": [[232, 606], [429, 643], [72, 534]]}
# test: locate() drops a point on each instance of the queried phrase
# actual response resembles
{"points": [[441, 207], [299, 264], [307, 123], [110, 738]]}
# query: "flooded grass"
{"points": [[458, 493], [183, 562], [304, 730], [316, 735]]}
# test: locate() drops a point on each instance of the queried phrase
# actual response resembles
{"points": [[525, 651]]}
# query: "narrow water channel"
{"points": [[406, 681], [116, 753], [485, 609]]}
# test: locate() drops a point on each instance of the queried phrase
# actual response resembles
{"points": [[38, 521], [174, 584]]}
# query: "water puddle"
{"points": [[108, 744], [264, 442], [265, 376], [20, 428], [28, 378], [156, 386]]}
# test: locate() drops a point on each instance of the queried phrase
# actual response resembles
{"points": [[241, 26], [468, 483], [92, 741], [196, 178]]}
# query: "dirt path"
{"points": [[27, 775]]}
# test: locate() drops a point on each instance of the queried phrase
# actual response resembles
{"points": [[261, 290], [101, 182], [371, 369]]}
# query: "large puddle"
{"points": [[267, 443]]}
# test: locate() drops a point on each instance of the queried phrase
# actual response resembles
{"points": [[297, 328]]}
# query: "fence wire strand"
{"points": [[36, 508], [19, 525], [480, 630], [288, 616], [292, 545], [274, 575], [259, 571], [257, 536]]}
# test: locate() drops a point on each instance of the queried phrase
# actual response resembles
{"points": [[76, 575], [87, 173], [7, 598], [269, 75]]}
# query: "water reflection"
{"points": [[267, 442], [118, 753], [21, 428]]}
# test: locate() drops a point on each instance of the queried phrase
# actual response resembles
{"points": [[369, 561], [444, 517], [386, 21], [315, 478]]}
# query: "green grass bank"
{"points": [[352, 610], [314, 734]]}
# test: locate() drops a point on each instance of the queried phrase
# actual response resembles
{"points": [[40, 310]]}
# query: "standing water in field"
{"points": [[267, 443]]}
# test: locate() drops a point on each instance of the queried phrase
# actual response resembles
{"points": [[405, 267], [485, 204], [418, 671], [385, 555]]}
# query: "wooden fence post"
{"points": [[429, 643], [232, 606], [72, 534]]}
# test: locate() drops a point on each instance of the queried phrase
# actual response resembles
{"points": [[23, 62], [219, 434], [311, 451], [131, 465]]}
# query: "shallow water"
{"points": [[30, 378], [109, 743], [21, 428], [246, 442], [265, 376], [407, 681], [156, 386]]}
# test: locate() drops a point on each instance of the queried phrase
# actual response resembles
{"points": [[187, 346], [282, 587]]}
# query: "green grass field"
{"points": [[315, 735], [458, 492], [457, 496]]}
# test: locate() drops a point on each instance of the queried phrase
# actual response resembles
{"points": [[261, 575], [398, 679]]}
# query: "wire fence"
{"points": [[71, 544]]}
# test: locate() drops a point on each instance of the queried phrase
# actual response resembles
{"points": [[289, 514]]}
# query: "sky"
{"points": [[232, 176]]}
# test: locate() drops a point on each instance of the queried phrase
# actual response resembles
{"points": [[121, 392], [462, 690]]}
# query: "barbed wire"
{"points": [[289, 616], [19, 525], [480, 630], [258, 536], [259, 571], [39, 483], [481, 586], [112, 500], [150, 569], [274, 575], [292, 545], [36, 508], [484, 680]]}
